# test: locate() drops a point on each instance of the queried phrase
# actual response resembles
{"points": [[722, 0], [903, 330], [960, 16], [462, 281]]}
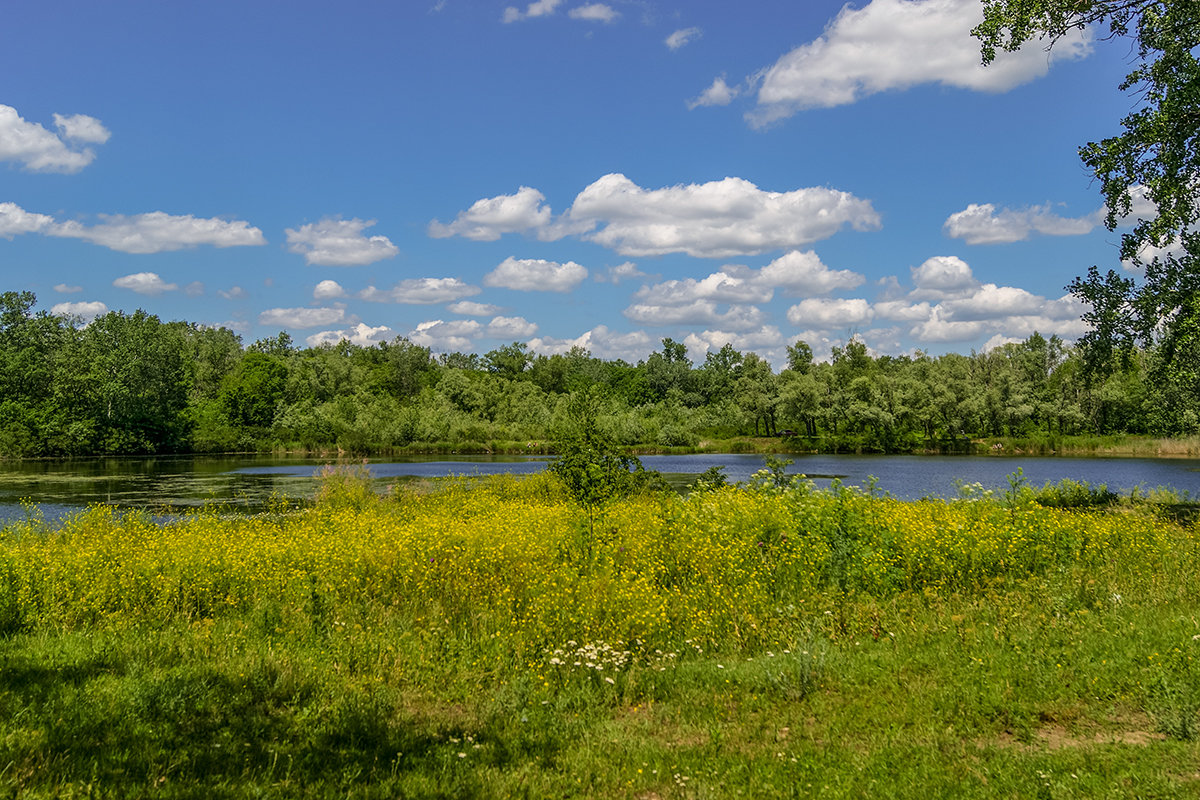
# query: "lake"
{"points": [[172, 485]]}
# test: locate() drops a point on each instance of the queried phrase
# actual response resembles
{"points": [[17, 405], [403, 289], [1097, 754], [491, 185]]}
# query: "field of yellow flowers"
{"points": [[479, 638]]}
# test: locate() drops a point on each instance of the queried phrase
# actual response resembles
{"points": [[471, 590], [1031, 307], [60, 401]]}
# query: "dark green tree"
{"points": [[1156, 156], [590, 465]]}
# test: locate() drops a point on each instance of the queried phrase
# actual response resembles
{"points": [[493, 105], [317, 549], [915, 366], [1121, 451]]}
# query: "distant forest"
{"points": [[132, 384]]}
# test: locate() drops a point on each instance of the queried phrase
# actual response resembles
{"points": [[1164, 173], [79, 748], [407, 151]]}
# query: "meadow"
{"points": [[480, 638]]}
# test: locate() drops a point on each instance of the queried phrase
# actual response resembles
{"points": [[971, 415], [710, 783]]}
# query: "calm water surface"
{"points": [[247, 483]]}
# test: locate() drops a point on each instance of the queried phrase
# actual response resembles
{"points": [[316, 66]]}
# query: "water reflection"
{"points": [[174, 485]]}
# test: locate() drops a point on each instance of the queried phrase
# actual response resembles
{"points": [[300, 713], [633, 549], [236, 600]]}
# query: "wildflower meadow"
{"points": [[490, 638]]}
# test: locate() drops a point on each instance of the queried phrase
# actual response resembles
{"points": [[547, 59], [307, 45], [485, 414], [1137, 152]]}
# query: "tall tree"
{"points": [[1156, 157]]}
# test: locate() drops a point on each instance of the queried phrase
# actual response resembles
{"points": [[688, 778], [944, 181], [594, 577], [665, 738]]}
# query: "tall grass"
{"points": [[464, 641]]}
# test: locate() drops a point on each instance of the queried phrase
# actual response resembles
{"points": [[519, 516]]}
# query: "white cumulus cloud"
{"points": [[490, 217], [334, 242], [470, 308], [81, 128], [86, 311], [361, 334], [539, 8], [421, 291], [942, 276], [511, 328], [984, 224], [64, 288], [763, 341], [697, 312], [897, 44], [802, 272], [39, 150], [718, 93], [718, 219], [594, 12], [829, 313], [147, 283], [301, 317], [328, 290], [536, 275], [796, 272], [15, 221], [443, 336], [601, 342], [159, 232]]}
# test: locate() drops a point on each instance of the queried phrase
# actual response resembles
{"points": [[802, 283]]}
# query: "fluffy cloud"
{"points": [[470, 308], [718, 219], [39, 150], [732, 284], [445, 336], [421, 291], [942, 276], [901, 311], [63, 288], [328, 290], [601, 342], [15, 221], [194, 289], [939, 329], [147, 283], [990, 301], [1002, 311], [339, 243], [81, 128], [232, 293], [682, 37], [761, 341], [490, 217], [594, 12], [536, 275], [897, 44], [719, 93], [983, 224], [827, 313], [511, 328], [539, 8], [155, 232], [158, 232], [86, 311], [301, 317], [802, 272], [361, 334], [796, 272], [699, 312]]}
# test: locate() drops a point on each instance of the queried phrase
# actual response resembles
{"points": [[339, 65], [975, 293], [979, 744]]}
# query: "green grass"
{"points": [[1073, 677]]}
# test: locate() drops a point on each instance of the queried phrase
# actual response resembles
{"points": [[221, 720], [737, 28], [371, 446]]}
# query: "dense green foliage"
{"points": [[1156, 158], [765, 640], [134, 384]]}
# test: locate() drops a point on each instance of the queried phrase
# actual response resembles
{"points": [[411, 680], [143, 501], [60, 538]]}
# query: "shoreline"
{"points": [[1000, 447]]}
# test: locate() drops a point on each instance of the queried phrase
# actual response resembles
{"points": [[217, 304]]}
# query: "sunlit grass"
{"points": [[462, 638]]}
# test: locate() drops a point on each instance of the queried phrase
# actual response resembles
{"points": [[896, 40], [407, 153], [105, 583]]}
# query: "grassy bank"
{"points": [[470, 640], [1042, 445]]}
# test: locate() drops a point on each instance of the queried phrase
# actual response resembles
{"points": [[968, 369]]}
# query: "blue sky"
{"points": [[561, 172]]}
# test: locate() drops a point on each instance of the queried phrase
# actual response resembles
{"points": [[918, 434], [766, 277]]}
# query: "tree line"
{"points": [[132, 384]]}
